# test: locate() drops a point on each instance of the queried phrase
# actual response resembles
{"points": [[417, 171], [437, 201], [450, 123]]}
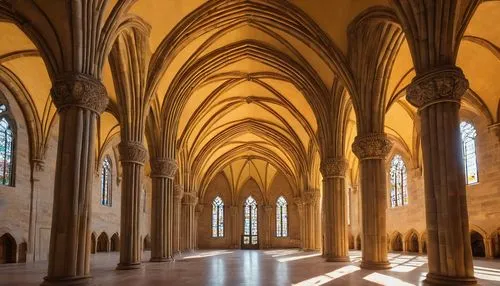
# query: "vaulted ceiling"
{"points": [[243, 84]]}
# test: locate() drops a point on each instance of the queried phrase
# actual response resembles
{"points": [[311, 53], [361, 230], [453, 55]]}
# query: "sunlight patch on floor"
{"points": [[328, 277], [206, 254], [298, 257], [386, 280]]}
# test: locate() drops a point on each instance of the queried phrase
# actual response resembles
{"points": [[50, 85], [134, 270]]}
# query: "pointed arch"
{"points": [[281, 217]]}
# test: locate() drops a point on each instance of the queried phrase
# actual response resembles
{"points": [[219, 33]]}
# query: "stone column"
{"points": [[188, 221], [488, 249], [334, 209], [299, 202], [437, 95], [162, 174], [37, 166], [267, 226], [371, 149], [79, 99], [132, 157], [234, 230], [198, 210], [178, 194]]}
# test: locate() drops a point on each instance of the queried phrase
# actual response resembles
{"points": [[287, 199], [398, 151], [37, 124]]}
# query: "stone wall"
{"points": [[233, 214], [15, 202], [483, 198]]}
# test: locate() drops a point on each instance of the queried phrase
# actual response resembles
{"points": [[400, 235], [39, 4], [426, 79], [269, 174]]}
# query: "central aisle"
{"points": [[250, 267]]}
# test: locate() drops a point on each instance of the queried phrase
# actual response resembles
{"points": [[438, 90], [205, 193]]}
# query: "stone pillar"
{"points": [[162, 174], [267, 226], [178, 194], [132, 157], [37, 166], [334, 210], [234, 230], [311, 213], [488, 249], [197, 214], [371, 149], [437, 95], [299, 202], [79, 99], [189, 202]]}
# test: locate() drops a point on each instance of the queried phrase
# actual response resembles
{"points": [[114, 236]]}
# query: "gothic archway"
{"points": [[397, 242], [8, 249], [412, 242], [147, 243], [477, 244], [103, 243], [115, 242], [358, 242]]}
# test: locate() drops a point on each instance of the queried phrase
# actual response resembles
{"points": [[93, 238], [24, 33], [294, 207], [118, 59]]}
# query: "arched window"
{"points": [[250, 222], [399, 188], [106, 182], [6, 148], [468, 133], [281, 217], [217, 217]]}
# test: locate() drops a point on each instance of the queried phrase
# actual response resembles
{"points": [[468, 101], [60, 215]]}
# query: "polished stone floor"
{"points": [[250, 267]]}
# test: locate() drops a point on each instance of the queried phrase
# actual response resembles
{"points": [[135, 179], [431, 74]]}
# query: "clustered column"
{"points": [[266, 226], [79, 99], [178, 194], [132, 157], [334, 209], [235, 231], [162, 211], [371, 149], [437, 94], [188, 221]]}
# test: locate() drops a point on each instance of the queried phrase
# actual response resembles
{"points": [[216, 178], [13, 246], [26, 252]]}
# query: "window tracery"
{"points": [[468, 134], [281, 217], [217, 217], [106, 181], [398, 181], [6, 147]]}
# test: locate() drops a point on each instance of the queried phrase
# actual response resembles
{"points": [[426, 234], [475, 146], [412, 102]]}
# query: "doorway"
{"points": [[250, 238]]}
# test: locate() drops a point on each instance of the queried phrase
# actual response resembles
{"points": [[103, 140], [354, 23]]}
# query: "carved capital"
{"points": [[163, 168], [190, 198], [178, 192], [80, 90], [38, 164], [443, 85], [371, 146], [333, 167], [132, 152], [312, 197]]}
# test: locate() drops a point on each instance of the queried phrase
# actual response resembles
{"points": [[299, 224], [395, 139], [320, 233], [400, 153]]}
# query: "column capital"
{"points": [[163, 168], [333, 167], [190, 198], [80, 90], [178, 192], [371, 146], [312, 197], [38, 164], [445, 84], [495, 128], [132, 152]]}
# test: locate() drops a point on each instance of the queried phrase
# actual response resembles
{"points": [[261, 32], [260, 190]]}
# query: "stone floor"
{"points": [[250, 267]]}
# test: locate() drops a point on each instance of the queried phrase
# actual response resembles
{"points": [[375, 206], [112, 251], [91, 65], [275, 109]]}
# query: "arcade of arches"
{"points": [[172, 126]]}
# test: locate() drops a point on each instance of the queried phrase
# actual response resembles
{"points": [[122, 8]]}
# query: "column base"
{"points": [[73, 281], [162, 259], [375, 265], [337, 259], [129, 266], [435, 279]]}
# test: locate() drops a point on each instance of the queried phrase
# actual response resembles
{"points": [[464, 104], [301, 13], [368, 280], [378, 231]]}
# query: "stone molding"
{"points": [[79, 90], [163, 168], [132, 152], [333, 167], [446, 84], [371, 146], [178, 192], [190, 198]]}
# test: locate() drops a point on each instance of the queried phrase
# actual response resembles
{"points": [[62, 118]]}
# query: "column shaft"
{"points": [[334, 208], [162, 211], [177, 219], [372, 149], [79, 99], [188, 224], [132, 157], [438, 94]]}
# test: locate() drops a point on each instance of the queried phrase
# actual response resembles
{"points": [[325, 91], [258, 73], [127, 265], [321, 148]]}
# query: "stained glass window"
{"points": [[106, 182], [250, 223], [6, 148], [281, 217], [399, 188], [468, 133], [217, 217]]}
